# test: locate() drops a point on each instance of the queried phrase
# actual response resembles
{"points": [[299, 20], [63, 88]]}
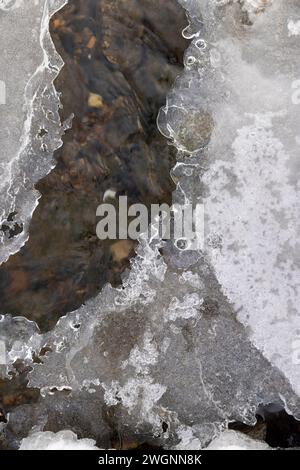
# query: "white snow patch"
{"points": [[294, 27], [63, 440]]}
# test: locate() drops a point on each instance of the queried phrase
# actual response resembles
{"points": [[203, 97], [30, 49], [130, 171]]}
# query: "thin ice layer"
{"points": [[30, 128]]}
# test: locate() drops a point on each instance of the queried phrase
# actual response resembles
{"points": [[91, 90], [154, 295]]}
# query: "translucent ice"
{"points": [[160, 372], [28, 104], [18, 339]]}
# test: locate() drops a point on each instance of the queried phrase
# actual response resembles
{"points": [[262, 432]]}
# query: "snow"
{"points": [[63, 440]]}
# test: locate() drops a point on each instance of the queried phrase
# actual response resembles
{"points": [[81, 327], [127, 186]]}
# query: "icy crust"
{"points": [[236, 112], [165, 376], [164, 358], [30, 128]]}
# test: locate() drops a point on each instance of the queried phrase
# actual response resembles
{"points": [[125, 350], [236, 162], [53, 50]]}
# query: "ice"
{"points": [[232, 440], [226, 440], [161, 377], [18, 339], [63, 440], [235, 111], [194, 340], [28, 104]]}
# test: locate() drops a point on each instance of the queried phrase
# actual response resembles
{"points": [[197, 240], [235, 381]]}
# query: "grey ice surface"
{"points": [[28, 104], [126, 352]]}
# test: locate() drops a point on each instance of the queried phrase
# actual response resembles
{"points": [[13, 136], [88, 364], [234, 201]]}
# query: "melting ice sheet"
{"points": [[194, 340], [30, 128]]}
